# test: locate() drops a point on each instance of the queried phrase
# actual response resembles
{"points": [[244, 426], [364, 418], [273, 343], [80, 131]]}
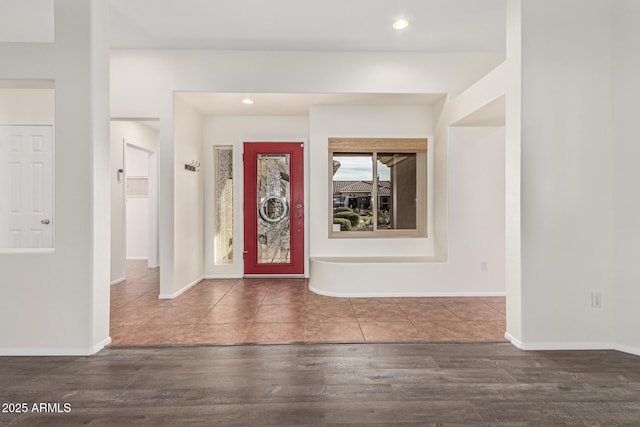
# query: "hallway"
{"points": [[234, 311]]}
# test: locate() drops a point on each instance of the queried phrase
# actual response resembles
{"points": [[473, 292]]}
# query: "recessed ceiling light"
{"points": [[247, 101], [400, 24]]}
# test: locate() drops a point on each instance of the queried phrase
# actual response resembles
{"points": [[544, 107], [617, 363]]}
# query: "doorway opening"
{"points": [[273, 208], [141, 231], [134, 198]]}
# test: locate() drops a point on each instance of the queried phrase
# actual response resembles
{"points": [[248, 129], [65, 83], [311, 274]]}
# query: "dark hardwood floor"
{"points": [[325, 384]]}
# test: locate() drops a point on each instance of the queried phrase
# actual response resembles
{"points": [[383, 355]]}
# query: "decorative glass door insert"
{"points": [[273, 196]]}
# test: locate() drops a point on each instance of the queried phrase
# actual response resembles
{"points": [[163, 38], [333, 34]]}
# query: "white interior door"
{"points": [[26, 187]]}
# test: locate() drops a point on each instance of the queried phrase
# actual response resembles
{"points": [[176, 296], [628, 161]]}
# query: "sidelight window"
{"points": [[223, 161]]}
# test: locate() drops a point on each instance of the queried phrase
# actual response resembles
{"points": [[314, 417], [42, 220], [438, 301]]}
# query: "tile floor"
{"points": [[284, 311]]}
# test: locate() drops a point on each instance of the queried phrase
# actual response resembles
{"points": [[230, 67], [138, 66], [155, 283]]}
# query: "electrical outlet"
{"points": [[484, 266], [596, 299]]}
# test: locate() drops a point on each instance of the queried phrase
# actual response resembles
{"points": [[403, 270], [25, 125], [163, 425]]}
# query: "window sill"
{"points": [[379, 260], [390, 234]]}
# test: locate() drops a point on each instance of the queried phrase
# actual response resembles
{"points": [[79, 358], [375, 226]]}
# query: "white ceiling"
{"points": [[327, 25], [344, 25], [320, 25]]}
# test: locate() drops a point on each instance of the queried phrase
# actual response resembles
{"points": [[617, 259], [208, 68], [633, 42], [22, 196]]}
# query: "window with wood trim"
{"points": [[377, 187]]}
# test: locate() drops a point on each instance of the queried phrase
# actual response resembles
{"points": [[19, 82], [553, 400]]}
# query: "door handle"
{"points": [[45, 221]]}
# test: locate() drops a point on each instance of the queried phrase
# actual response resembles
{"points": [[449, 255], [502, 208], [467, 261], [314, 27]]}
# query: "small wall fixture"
{"points": [[120, 175], [194, 166]]}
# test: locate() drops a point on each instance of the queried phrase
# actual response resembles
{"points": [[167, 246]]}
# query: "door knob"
{"points": [[45, 221]]}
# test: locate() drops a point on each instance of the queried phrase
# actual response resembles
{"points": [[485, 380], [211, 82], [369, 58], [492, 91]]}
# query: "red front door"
{"points": [[273, 208]]}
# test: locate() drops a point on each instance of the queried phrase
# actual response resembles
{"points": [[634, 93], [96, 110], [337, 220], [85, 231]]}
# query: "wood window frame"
{"points": [[373, 146]]}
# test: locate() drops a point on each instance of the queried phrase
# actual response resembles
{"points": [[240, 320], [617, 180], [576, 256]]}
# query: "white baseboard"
{"points": [[222, 276], [105, 342], [392, 294], [143, 258], [181, 291], [55, 351], [120, 280], [44, 352], [552, 346], [628, 349]]}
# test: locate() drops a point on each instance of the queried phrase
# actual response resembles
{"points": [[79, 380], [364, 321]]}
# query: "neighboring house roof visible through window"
{"points": [[384, 187]]}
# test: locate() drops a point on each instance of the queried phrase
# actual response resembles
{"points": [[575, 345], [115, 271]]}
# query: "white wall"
{"points": [[476, 234], [626, 176], [34, 24], [477, 191], [137, 165], [143, 136], [569, 202], [99, 213], [233, 131], [513, 166], [143, 83], [567, 216], [59, 303], [142, 79], [364, 122], [476, 206], [188, 232], [27, 106], [481, 104]]}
